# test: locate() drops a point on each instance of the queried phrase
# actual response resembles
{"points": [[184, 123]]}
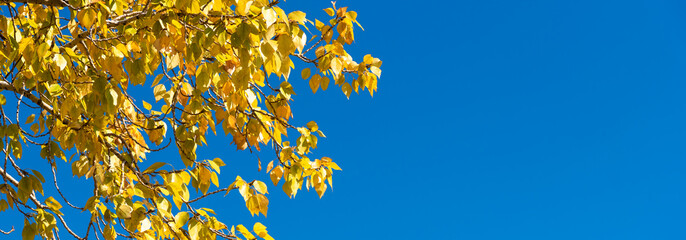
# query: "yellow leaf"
{"points": [[260, 187], [86, 17], [60, 61], [24, 43], [321, 188], [297, 16], [110, 233], [335, 166], [124, 210], [276, 175], [281, 15], [30, 118], [368, 59], [270, 165], [194, 7], [290, 187], [314, 83], [261, 231], [53, 204], [305, 73], [215, 179], [312, 126], [330, 11], [219, 162], [133, 47], [55, 89], [375, 70], [180, 219], [258, 228], [154, 167], [347, 89], [263, 204], [336, 66], [218, 5], [244, 190], [253, 205], [325, 82], [117, 52], [157, 79], [269, 16], [243, 7], [145, 225], [159, 91], [246, 233], [203, 77], [146, 105]]}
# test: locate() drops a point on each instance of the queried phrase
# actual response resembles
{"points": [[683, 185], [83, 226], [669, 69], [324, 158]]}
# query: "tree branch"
{"points": [[5, 85], [53, 3], [7, 232]]}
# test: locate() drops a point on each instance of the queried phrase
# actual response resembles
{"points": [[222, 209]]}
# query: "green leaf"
{"points": [[29, 231], [25, 188], [38, 175]]}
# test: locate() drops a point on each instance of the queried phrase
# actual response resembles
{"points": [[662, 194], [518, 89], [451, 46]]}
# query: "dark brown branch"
{"points": [[53, 3]]}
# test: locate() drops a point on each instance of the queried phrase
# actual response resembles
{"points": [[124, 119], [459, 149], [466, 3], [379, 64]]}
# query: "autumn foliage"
{"points": [[221, 67]]}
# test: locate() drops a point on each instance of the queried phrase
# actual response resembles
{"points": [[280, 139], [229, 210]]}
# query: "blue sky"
{"points": [[508, 120], [493, 120]]}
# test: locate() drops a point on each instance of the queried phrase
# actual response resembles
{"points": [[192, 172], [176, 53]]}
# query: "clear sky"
{"points": [[493, 120]]}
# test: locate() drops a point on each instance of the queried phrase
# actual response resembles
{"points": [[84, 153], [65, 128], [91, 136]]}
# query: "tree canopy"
{"points": [[68, 73]]}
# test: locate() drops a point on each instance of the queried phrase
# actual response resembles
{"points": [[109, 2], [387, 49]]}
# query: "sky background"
{"points": [[493, 120]]}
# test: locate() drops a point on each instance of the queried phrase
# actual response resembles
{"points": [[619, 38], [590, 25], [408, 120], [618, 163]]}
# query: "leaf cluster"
{"points": [[211, 65]]}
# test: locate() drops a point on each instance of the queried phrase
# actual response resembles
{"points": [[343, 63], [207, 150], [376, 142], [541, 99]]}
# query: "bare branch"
{"points": [[7, 232]]}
